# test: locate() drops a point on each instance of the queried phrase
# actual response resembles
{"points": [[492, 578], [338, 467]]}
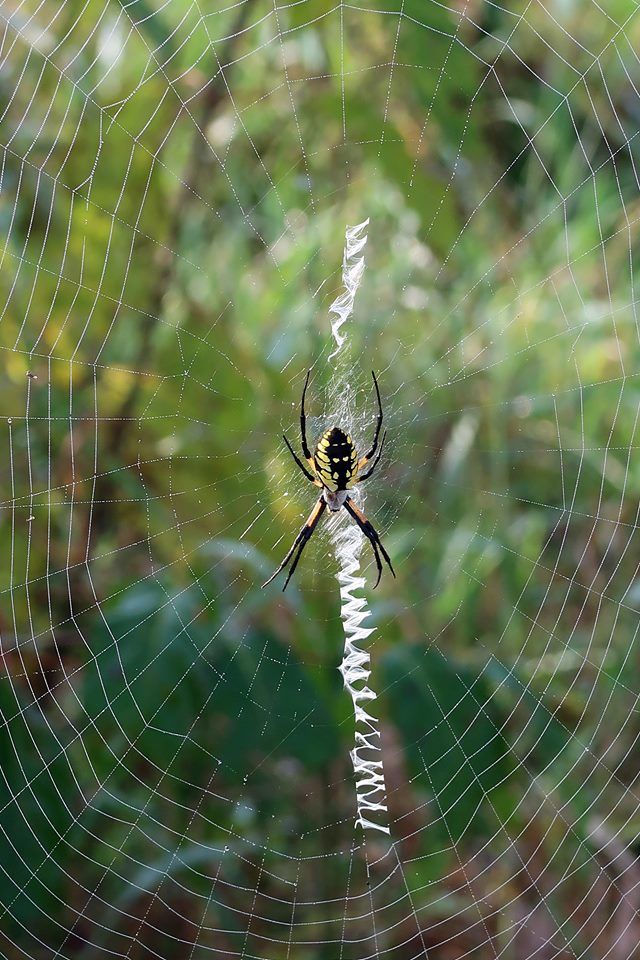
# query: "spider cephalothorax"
{"points": [[335, 467]]}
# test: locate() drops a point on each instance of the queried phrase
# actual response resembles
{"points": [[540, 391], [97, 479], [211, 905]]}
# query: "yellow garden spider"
{"points": [[335, 467]]}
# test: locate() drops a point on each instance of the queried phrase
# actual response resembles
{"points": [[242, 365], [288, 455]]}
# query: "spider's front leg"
{"points": [[300, 542], [372, 536]]}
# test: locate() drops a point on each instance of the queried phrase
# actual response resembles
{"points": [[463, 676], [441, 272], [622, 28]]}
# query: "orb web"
{"points": [[175, 183]]}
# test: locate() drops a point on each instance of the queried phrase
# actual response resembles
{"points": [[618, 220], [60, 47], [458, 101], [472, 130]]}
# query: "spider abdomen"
{"points": [[336, 460]]}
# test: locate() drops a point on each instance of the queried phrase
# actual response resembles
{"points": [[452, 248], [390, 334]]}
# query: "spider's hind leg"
{"points": [[363, 461], [303, 421], [297, 459], [374, 446]]}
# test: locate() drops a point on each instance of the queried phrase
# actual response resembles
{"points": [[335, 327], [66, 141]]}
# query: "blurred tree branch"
{"points": [[192, 186]]}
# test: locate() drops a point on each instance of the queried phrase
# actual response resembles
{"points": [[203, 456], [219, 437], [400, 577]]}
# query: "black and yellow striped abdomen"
{"points": [[336, 460]]}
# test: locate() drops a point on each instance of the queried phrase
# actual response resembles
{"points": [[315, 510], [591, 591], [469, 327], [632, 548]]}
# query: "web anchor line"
{"points": [[355, 668]]}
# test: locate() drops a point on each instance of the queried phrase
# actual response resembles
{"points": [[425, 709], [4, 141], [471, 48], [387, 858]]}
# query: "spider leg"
{"points": [[364, 460], [303, 420], [300, 542], [372, 535], [365, 476], [297, 459]]}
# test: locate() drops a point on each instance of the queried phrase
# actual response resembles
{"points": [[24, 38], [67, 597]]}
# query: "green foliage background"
{"points": [[176, 178]]}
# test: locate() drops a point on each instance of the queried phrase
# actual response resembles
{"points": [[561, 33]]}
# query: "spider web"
{"points": [[175, 183]]}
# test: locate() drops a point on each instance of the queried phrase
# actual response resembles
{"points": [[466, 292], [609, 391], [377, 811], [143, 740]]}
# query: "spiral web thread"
{"points": [[355, 668]]}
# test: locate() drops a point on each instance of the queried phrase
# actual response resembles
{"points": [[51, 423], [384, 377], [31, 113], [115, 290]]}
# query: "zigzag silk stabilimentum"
{"points": [[348, 540]]}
